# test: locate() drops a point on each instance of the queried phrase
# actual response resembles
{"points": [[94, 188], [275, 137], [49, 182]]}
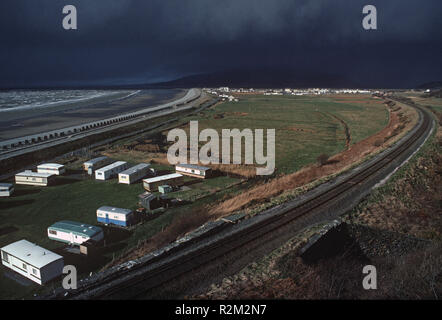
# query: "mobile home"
{"points": [[193, 170], [31, 261], [74, 233], [152, 184], [111, 170], [6, 189], [96, 163], [54, 168], [34, 178], [117, 216], [134, 174]]}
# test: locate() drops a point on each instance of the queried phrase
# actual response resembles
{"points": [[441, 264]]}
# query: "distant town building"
{"points": [[31, 261]]}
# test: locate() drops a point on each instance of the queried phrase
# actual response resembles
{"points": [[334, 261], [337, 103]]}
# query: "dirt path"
{"points": [[346, 129]]}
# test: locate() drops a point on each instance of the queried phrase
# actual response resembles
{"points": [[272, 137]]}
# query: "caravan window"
{"points": [[53, 232], [5, 256]]}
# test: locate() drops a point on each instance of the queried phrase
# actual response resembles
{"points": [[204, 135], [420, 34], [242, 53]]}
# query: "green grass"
{"points": [[305, 126], [32, 209], [204, 188]]}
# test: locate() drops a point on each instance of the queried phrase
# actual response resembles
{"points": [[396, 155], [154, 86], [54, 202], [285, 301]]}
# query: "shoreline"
{"points": [[28, 122]]}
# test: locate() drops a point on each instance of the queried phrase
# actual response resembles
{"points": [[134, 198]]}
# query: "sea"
{"points": [[26, 112], [29, 99]]}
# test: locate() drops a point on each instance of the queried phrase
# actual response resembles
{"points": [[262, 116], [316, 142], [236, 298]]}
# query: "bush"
{"points": [[322, 159], [378, 143]]}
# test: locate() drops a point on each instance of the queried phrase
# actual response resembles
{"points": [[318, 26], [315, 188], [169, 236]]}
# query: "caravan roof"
{"points": [[29, 173], [95, 160], [192, 166], [76, 227], [111, 166], [115, 210], [31, 253], [50, 165], [136, 168], [161, 178]]}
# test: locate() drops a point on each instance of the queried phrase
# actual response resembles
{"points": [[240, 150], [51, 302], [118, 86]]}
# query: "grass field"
{"points": [[305, 128]]}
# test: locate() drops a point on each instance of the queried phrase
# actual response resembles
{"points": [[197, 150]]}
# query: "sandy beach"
{"points": [[17, 123]]}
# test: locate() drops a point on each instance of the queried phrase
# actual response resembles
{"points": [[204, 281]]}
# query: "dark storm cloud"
{"points": [[129, 41]]}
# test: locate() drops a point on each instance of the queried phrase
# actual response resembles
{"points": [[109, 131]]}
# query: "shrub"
{"points": [[322, 159]]}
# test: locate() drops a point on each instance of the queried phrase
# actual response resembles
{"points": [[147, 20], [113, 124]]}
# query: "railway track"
{"points": [[135, 281]]}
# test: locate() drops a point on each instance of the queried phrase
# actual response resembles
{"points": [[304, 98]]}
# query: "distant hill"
{"points": [[431, 85], [261, 79]]}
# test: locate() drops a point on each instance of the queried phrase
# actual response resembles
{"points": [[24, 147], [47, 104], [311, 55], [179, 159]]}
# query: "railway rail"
{"points": [[139, 278]]}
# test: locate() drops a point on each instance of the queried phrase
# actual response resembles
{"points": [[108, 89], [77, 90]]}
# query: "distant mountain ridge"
{"points": [[245, 78], [262, 79], [431, 85]]}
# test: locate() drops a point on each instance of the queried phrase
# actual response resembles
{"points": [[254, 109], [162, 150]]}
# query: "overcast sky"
{"points": [[141, 41]]}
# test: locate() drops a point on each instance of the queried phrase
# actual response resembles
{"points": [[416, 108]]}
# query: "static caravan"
{"points": [[117, 216], [193, 170], [31, 261], [152, 184], [134, 174], [74, 233], [34, 178], [111, 170], [6, 189], [96, 163], [54, 168]]}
